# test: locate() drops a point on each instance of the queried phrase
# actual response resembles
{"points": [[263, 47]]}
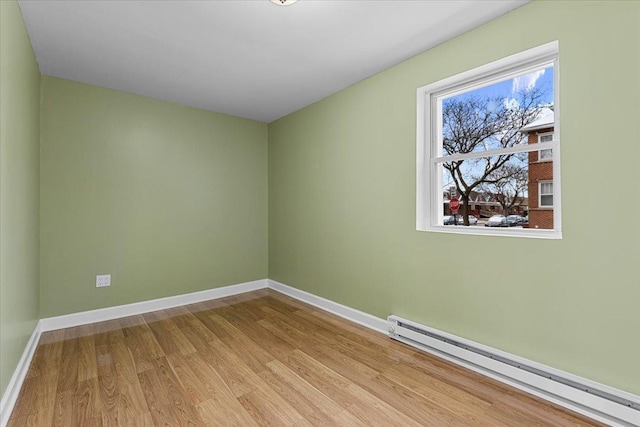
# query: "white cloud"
{"points": [[527, 82], [511, 104]]}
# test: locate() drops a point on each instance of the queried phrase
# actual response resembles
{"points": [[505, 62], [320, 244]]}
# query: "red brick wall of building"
{"points": [[539, 171], [542, 218]]}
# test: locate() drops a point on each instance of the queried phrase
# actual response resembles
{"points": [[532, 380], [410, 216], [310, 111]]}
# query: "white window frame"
{"points": [[550, 150], [540, 205], [429, 185]]}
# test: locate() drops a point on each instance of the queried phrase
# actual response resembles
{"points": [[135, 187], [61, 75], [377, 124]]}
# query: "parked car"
{"points": [[497, 221], [448, 220], [472, 220], [514, 220]]}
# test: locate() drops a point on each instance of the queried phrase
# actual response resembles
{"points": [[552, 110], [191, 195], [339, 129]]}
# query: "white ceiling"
{"points": [[247, 58]]}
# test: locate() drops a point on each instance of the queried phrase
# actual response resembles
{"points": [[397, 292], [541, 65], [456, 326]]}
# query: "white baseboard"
{"points": [[10, 395], [110, 313], [372, 322], [356, 316]]}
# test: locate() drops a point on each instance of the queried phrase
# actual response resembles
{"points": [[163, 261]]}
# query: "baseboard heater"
{"points": [[606, 404]]}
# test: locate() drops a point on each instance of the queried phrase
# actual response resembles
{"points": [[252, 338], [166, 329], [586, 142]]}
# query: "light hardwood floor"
{"points": [[259, 358]]}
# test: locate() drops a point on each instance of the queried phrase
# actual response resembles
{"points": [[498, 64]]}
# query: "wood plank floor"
{"points": [[259, 358]]}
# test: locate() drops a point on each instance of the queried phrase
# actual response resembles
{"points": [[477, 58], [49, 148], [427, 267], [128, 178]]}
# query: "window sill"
{"points": [[530, 233]]}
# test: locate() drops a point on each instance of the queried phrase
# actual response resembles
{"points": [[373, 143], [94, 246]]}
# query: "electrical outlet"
{"points": [[103, 280]]}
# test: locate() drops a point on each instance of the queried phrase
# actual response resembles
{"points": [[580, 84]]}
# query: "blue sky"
{"points": [[542, 78]]}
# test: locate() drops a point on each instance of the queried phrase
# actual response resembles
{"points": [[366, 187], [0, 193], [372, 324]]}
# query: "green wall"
{"points": [[167, 199], [19, 170], [342, 202]]}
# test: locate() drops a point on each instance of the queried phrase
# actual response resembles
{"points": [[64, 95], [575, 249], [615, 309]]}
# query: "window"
{"points": [[546, 154], [546, 194], [472, 141]]}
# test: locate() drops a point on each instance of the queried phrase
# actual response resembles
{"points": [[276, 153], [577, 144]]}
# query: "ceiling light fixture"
{"points": [[283, 2]]}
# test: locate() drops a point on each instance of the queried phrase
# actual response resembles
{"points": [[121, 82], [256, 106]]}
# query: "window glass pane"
{"points": [[486, 187], [546, 188], [546, 154], [546, 194], [491, 117], [546, 138]]}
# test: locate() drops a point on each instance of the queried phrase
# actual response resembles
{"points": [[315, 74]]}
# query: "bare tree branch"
{"points": [[475, 124]]}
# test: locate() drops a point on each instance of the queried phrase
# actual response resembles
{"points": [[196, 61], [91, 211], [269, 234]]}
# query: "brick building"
{"points": [[540, 171]]}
